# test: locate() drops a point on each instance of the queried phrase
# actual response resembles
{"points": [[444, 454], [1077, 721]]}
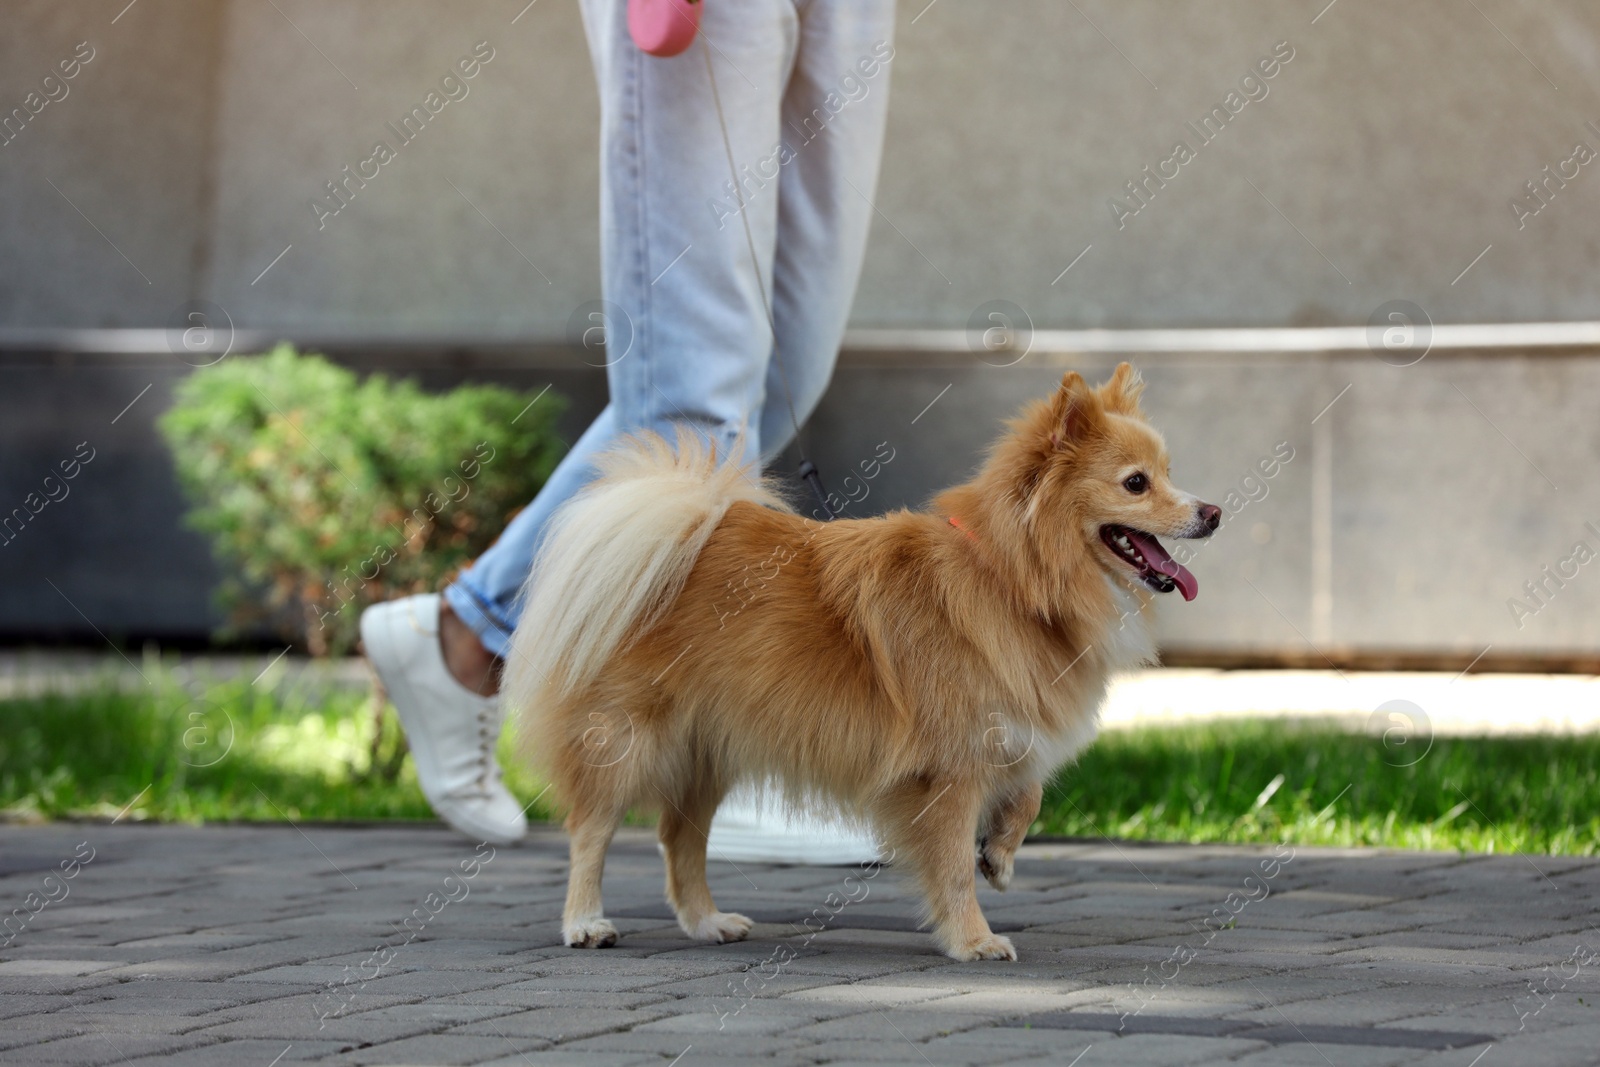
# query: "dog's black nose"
{"points": [[1211, 515]]}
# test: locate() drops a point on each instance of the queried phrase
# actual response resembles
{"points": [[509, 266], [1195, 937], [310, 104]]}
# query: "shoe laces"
{"points": [[488, 736]]}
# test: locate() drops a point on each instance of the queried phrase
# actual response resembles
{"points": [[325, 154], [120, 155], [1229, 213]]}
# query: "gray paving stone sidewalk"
{"points": [[406, 945]]}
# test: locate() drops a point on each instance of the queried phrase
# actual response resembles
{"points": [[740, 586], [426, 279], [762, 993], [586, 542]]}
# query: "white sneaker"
{"points": [[452, 730], [750, 829]]}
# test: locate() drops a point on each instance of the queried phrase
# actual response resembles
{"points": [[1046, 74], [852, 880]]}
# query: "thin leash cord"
{"points": [[808, 469]]}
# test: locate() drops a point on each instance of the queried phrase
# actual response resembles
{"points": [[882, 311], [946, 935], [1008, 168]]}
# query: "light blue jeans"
{"points": [[804, 87]]}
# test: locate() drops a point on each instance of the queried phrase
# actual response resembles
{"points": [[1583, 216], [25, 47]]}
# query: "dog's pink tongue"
{"points": [[1165, 564]]}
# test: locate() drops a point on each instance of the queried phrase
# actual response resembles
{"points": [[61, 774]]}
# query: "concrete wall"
{"points": [[1383, 160], [1412, 511], [105, 194]]}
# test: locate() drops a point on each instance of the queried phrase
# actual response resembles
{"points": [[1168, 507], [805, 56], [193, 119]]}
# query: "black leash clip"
{"points": [[808, 474]]}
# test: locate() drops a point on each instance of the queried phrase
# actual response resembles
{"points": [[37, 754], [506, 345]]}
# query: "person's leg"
{"points": [[834, 112], [674, 263], [697, 355], [485, 598], [675, 259]]}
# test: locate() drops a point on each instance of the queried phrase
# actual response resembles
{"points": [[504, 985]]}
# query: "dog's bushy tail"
{"points": [[614, 559]]}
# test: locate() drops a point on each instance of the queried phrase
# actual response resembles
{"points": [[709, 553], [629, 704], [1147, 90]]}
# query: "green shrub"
{"points": [[322, 492]]}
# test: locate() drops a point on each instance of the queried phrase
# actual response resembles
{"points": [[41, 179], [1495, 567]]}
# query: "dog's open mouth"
{"points": [[1144, 554]]}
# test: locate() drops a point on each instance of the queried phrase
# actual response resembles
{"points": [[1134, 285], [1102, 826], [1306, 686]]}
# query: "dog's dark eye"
{"points": [[1136, 483]]}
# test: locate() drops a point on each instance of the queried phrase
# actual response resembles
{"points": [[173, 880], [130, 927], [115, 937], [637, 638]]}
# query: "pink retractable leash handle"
{"points": [[663, 27]]}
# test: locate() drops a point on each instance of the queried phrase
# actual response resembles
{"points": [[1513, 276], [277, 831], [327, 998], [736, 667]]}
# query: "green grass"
{"points": [[310, 758], [1206, 783], [229, 751]]}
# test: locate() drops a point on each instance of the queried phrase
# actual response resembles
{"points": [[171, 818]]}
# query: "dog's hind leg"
{"points": [[685, 822], [591, 827], [1004, 826], [932, 824]]}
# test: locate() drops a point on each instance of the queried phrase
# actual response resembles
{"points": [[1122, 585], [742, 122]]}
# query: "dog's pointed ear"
{"points": [[1076, 411], [1122, 390]]}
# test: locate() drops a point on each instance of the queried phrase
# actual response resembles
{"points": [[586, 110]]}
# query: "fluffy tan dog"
{"points": [[927, 671]]}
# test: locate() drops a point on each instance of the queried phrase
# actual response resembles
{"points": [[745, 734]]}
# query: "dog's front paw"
{"points": [[996, 867], [589, 933], [719, 928], [987, 947]]}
